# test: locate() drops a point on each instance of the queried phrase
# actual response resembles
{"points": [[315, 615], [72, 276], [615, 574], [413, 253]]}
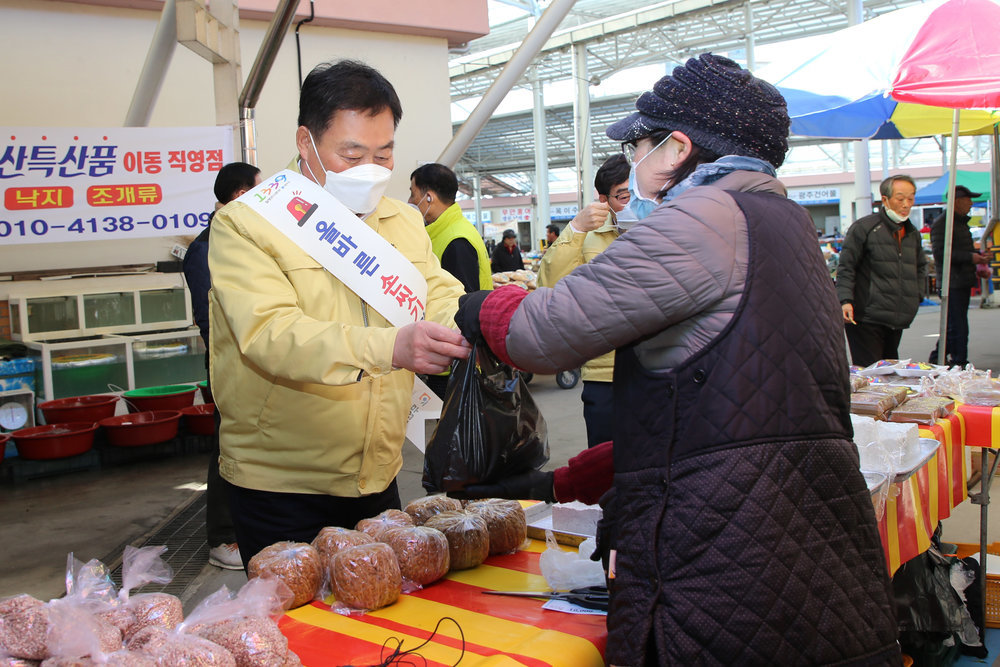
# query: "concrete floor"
{"points": [[95, 514]]}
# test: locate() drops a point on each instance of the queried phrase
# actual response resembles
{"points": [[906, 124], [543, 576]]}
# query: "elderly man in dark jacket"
{"points": [[881, 274], [963, 275]]}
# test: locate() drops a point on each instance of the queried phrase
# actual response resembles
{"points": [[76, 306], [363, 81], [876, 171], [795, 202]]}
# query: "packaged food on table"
{"points": [[387, 519], [172, 648], [424, 508], [253, 641], [896, 392], [421, 551], [985, 392], [365, 577], [297, 564], [505, 521], [154, 609], [858, 382], [468, 537], [874, 405], [881, 367], [332, 539], [24, 627], [120, 658], [922, 410]]}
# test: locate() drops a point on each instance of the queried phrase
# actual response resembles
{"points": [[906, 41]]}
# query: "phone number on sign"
{"points": [[125, 223]]}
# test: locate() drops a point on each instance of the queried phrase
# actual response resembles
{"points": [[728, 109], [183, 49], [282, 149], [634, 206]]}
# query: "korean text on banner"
{"points": [[89, 184], [343, 244]]}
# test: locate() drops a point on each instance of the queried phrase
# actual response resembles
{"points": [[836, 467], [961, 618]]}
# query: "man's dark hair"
{"points": [[232, 178], [438, 179], [614, 171], [341, 86], [553, 228]]}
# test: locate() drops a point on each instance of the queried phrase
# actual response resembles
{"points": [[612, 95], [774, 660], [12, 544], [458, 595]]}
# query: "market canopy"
{"points": [[934, 193], [877, 79]]}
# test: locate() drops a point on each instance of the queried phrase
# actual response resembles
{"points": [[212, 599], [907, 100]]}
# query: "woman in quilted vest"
{"points": [[741, 531]]}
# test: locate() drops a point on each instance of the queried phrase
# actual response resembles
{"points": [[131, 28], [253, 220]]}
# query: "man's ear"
{"points": [[602, 198], [302, 142]]}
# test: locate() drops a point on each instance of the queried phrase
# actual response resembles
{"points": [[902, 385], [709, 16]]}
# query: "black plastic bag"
{"points": [[490, 427]]}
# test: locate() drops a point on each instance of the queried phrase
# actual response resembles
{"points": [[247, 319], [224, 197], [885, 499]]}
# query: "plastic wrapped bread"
{"points": [[424, 508], [873, 405], [505, 521], [366, 577], [859, 382], [332, 539], [253, 641], [421, 551], [387, 519], [922, 410], [297, 564], [467, 535], [24, 627], [897, 393], [154, 609]]}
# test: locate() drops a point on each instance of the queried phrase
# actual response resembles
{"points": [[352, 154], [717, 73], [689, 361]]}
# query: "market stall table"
{"points": [[927, 497], [497, 631]]}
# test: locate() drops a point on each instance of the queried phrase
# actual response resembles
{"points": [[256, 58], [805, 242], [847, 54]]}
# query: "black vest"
{"points": [[726, 462]]}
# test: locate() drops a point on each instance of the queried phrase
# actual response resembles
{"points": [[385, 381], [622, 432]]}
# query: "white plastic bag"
{"points": [[566, 570]]}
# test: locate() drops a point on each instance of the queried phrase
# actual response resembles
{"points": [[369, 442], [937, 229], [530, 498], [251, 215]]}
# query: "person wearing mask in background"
{"points": [[963, 275], [314, 383], [585, 237], [551, 234], [744, 533], [232, 181], [455, 242], [507, 256], [880, 275]]}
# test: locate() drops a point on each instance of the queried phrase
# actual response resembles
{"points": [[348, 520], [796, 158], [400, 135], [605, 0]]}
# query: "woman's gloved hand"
{"points": [[467, 317], [531, 485]]}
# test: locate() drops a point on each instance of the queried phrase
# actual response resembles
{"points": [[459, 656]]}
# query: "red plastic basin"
{"points": [[141, 428], [200, 419], [79, 408], [54, 441], [168, 397], [4, 439]]}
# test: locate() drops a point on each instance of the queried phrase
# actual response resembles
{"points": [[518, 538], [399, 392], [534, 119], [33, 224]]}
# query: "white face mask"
{"points": [[359, 188]]}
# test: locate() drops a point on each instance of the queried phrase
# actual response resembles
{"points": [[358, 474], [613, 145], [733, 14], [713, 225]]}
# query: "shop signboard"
{"points": [[518, 214], [485, 216], [563, 212], [815, 196], [88, 184]]}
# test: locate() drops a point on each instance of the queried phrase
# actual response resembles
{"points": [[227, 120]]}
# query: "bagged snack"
{"points": [[467, 535], [170, 649], [422, 553], [140, 567], [365, 577], [117, 659], [873, 405], [297, 564], [985, 392], [858, 382], [505, 521], [896, 392], [332, 539], [24, 627], [387, 519], [245, 625], [424, 508], [922, 410]]}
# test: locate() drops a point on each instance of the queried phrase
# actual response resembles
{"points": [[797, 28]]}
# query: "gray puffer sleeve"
{"points": [[675, 265]]}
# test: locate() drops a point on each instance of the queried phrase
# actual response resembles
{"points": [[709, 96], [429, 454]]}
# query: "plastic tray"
{"points": [[915, 459], [876, 481]]}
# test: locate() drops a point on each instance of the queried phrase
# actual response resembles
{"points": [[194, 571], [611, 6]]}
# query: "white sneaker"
{"points": [[226, 556]]}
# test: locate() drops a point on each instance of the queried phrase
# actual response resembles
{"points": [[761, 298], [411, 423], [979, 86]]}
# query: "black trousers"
{"points": [[262, 518], [218, 523], [598, 411], [957, 333], [872, 342]]}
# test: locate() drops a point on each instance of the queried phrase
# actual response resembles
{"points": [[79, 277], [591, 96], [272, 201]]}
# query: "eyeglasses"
{"points": [[628, 148], [624, 197]]}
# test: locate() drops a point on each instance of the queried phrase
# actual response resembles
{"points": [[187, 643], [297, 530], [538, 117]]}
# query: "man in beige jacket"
{"points": [[585, 237], [313, 384]]}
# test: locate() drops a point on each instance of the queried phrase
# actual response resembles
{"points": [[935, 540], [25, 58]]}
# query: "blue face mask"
{"points": [[639, 206]]}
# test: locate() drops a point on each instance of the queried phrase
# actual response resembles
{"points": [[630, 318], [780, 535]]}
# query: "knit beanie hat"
{"points": [[718, 105]]}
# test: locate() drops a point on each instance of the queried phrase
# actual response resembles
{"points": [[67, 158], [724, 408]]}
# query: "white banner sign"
{"points": [[520, 214], [815, 196], [346, 247], [87, 184]]}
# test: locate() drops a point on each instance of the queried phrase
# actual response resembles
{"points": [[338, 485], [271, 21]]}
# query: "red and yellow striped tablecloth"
{"points": [[912, 514], [498, 631], [982, 425]]}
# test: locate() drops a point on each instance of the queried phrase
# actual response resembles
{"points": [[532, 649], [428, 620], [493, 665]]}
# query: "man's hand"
{"points": [[591, 217], [427, 347], [978, 258], [848, 309]]}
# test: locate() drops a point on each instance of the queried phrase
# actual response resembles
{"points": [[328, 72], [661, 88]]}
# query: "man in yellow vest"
{"points": [[454, 239]]}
